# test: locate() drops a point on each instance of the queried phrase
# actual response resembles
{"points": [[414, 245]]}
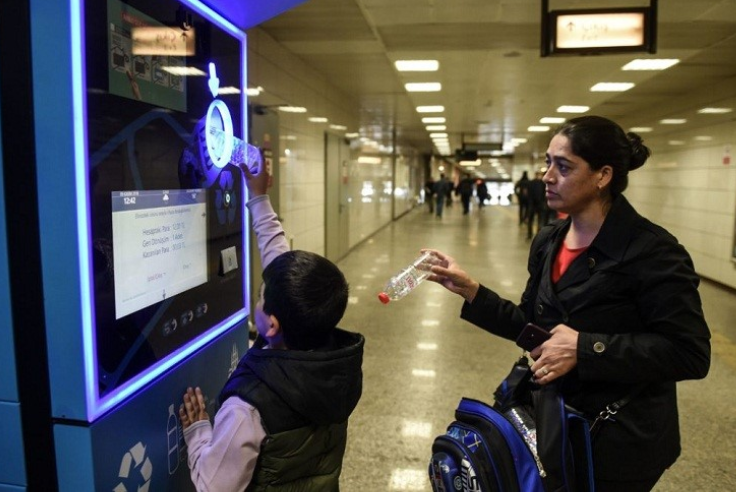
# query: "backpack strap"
{"points": [[612, 409]]}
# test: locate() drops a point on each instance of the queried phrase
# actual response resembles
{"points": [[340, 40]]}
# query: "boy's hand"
{"points": [[193, 408], [257, 184]]}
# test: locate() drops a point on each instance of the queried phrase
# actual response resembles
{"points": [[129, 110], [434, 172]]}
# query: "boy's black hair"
{"points": [[308, 294]]}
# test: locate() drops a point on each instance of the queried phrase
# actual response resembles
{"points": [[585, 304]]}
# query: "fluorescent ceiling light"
{"points": [[352, 135], [254, 91], [430, 109], [224, 91], [436, 128], [339, 127], [715, 110], [673, 121], [572, 109], [518, 140], [423, 87], [676, 142], [184, 71], [650, 64], [551, 119], [417, 65], [704, 138], [640, 129], [292, 109], [438, 135], [434, 119], [470, 163], [612, 86], [318, 119], [364, 159], [538, 128]]}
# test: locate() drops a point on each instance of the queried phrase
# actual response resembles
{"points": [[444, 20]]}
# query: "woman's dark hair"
{"points": [[602, 142], [308, 294]]}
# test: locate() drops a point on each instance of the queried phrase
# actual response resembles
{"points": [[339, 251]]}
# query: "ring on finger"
{"points": [[545, 371]]}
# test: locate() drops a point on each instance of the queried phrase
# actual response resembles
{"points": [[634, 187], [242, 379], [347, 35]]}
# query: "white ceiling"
{"points": [[495, 84]]}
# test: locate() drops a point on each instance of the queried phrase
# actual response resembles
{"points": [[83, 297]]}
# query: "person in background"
{"points": [[283, 419], [537, 205], [522, 196], [481, 190], [619, 296], [441, 189], [429, 194], [465, 190]]}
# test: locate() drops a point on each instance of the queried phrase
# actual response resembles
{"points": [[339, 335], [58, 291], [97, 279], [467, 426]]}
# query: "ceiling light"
{"points": [[650, 64], [430, 109], [470, 163], [640, 129], [673, 121], [423, 87], [438, 135], [538, 128], [184, 71], [433, 119], [292, 109], [364, 159], [417, 65], [518, 140], [352, 135], [224, 91], [551, 119], [318, 119], [572, 109], [704, 138], [612, 86], [436, 128], [676, 142], [341, 128], [715, 110], [254, 91]]}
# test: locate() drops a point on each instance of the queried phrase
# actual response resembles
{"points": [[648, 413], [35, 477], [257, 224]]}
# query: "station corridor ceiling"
{"points": [[495, 84]]}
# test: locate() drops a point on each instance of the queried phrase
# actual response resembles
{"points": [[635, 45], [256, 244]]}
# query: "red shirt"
{"points": [[564, 258]]}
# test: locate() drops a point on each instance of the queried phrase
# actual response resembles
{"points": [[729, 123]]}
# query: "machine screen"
{"points": [[166, 209]]}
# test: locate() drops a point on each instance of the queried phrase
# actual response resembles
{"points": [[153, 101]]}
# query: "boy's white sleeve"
{"points": [[269, 232], [224, 457]]}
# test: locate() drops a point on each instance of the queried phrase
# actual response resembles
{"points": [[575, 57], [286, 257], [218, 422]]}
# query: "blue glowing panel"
{"points": [[163, 248]]}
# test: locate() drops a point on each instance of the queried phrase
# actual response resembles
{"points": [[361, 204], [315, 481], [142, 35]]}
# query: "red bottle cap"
{"points": [[383, 297]]}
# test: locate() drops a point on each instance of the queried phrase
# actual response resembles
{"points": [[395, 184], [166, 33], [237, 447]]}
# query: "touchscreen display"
{"points": [[166, 209]]}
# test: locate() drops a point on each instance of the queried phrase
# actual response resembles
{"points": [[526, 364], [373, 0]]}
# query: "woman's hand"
{"points": [[193, 408], [449, 274], [557, 356]]}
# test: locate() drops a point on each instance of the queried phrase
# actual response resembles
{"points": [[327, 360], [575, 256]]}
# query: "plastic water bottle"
{"points": [[407, 279]]}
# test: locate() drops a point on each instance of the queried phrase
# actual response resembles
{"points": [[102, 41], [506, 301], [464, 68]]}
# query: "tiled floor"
{"points": [[421, 358]]}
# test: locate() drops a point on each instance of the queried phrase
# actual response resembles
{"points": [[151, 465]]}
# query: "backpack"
{"points": [[527, 441]]}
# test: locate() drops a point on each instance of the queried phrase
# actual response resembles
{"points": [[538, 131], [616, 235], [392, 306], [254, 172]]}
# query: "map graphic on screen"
{"points": [[160, 244]]}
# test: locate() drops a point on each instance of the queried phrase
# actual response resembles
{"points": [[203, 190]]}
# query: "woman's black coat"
{"points": [[633, 297]]}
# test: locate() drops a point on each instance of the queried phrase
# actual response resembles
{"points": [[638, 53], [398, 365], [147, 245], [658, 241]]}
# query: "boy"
{"points": [[282, 424]]}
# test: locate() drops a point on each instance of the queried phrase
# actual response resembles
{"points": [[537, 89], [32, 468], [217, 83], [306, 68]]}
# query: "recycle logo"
{"points": [[135, 470], [225, 199]]}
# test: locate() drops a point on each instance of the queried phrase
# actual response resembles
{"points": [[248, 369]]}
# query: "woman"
{"points": [[619, 295]]}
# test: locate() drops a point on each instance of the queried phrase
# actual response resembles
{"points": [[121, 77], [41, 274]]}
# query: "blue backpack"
{"points": [[528, 441]]}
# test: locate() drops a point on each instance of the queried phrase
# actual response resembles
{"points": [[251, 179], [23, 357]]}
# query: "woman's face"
{"points": [[572, 186]]}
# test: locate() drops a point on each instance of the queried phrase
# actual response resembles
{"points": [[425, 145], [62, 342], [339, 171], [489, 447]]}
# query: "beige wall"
{"points": [[686, 188], [287, 80]]}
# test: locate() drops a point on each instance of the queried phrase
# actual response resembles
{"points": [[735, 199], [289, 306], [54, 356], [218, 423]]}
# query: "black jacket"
{"points": [[304, 399], [633, 297]]}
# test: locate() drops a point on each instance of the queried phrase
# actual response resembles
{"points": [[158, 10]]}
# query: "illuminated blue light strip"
{"points": [[96, 406]]}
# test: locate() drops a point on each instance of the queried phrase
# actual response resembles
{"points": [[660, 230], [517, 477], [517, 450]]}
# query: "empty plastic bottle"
{"points": [[407, 279]]}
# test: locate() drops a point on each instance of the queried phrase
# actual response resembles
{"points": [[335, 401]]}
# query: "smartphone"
{"points": [[531, 337]]}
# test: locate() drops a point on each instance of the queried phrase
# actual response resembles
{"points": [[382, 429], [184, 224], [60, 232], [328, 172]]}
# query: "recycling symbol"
{"points": [[135, 470], [225, 199]]}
